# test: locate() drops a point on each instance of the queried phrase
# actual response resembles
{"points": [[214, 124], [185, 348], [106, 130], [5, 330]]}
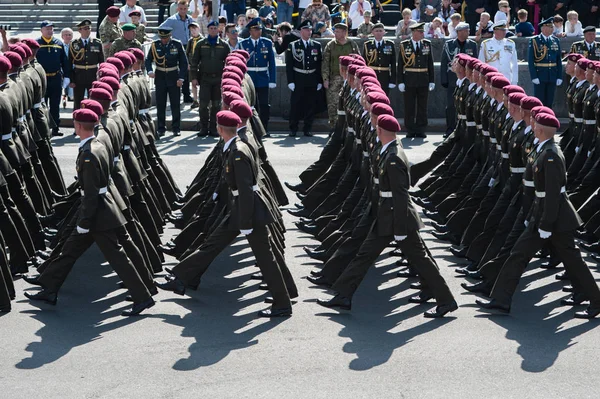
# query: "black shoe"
{"points": [[493, 305], [420, 298], [312, 230], [440, 228], [213, 132], [48, 221], [551, 264], [440, 311], [269, 299], [320, 281], [416, 286], [316, 273], [595, 257], [449, 237], [396, 252], [57, 133], [574, 300], [44, 255], [337, 301], [410, 135], [594, 247], [138, 308], [173, 284], [562, 276], [402, 262], [460, 252], [421, 135], [263, 286], [173, 218], [45, 296], [435, 216], [543, 253], [165, 249], [300, 196], [407, 273], [283, 312], [568, 288], [299, 212], [292, 134], [33, 280], [188, 100], [177, 205], [308, 134], [314, 254], [481, 287], [176, 133], [5, 309], [203, 132], [475, 274], [296, 188], [195, 104], [299, 206], [463, 271], [256, 276], [418, 194], [587, 238], [589, 313], [267, 135]]}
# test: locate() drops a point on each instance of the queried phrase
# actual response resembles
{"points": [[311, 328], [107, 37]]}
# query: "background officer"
{"points": [[588, 47], [171, 69], [126, 41], [380, 55], [501, 53], [545, 63], [415, 79], [462, 44], [53, 59], [261, 67], [85, 54], [303, 68]]}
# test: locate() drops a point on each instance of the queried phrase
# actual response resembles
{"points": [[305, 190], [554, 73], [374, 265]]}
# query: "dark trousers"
{"points": [[161, 107], [415, 109], [79, 93], [209, 96], [161, 13], [545, 92], [185, 89], [7, 288], [450, 109], [264, 108], [235, 8], [52, 98], [472, 18], [303, 100], [13, 234], [102, 6], [320, 166], [25, 207]]}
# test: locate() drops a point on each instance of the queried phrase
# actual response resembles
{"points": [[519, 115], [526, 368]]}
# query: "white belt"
{"points": [[462, 116], [236, 192], [28, 111], [126, 147], [385, 194], [498, 147], [103, 190], [365, 154], [493, 140], [116, 159], [517, 170], [21, 118], [470, 124], [375, 180], [38, 105], [485, 133], [542, 194], [571, 115], [528, 183], [589, 122], [578, 120], [479, 127], [358, 141], [304, 71], [350, 129], [6, 136], [341, 112], [505, 155], [258, 69], [143, 111]]}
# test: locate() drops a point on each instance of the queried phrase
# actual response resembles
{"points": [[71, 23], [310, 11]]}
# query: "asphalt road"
{"points": [[210, 344]]}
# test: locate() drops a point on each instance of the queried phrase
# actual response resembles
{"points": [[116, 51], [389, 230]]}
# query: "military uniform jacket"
{"points": [[261, 64], [85, 59], [588, 133], [450, 50], [208, 61], [303, 65], [544, 59], [501, 54], [109, 32], [382, 59], [121, 44], [170, 60], [98, 211], [591, 53], [415, 68], [51, 56]]}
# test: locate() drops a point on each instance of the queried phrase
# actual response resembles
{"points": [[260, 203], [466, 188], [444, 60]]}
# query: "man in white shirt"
{"points": [[501, 53], [124, 18], [356, 13]]}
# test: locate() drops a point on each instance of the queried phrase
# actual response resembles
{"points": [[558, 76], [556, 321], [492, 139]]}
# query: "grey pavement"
{"points": [[209, 344]]}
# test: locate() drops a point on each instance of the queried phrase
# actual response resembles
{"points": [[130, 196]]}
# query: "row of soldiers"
{"points": [[123, 188]]}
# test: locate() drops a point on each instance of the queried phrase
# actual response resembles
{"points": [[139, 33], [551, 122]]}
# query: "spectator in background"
{"points": [[533, 12], [366, 27], [415, 14], [587, 11], [473, 14], [66, 36], [524, 28], [195, 37], [234, 9], [429, 9], [503, 13], [130, 6], [140, 29], [222, 24], [285, 35], [558, 27], [242, 21], [433, 30], [573, 27], [232, 37], [267, 10], [446, 11], [284, 10], [402, 29], [454, 21], [163, 5], [103, 6], [356, 14], [484, 27], [251, 13], [205, 18], [302, 4], [316, 12]]}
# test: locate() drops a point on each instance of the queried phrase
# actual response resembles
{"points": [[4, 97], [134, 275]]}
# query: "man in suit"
{"points": [[85, 54], [545, 63], [395, 219], [588, 47]]}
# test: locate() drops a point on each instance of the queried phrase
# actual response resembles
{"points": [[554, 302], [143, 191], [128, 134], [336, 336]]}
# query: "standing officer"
{"points": [[303, 69], [85, 54], [110, 30], [462, 44], [53, 59], [501, 53], [545, 63], [261, 67], [206, 68], [588, 47], [415, 79], [171, 69], [126, 41], [380, 55]]}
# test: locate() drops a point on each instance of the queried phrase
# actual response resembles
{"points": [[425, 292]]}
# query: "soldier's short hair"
{"points": [[522, 12], [285, 26], [406, 11], [558, 18]]}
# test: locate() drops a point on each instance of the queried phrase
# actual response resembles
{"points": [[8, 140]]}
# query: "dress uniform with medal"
{"points": [[380, 55], [303, 68], [501, 53], [85, 54], [588, 47], [545, 63], [171, 70]]}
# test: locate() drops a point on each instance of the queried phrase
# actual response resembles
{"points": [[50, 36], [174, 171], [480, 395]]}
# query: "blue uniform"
{"points": [[545, 64], [262, 70]]}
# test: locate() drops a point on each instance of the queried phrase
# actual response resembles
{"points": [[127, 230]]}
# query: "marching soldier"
{"points": [[303, 68], [85, 54], [125, 42], [416, 80], [501, 53], [110, 30], [171, 69], [462, 44], [380, 55], [588, 47], [545, 63]]}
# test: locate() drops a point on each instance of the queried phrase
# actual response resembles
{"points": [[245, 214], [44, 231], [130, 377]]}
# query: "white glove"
{"points": [[214, 196], [491, 183], [66, 82], [401, 87], [431, 86], [81, 230], [391, 85], [535, 81], [526, 223], [577, 150], [399, 238], [589, 153], [544, 234], [292, 86], [558, 82], [319, 87], [272, 85], [246, 232]]}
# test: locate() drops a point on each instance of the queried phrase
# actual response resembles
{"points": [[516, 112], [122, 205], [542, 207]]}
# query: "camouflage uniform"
{"points": [[109, 32], [121, 44], [330, 70], [140, 33]]}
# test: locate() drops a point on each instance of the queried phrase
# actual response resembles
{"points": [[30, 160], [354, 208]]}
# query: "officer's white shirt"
{"points": [[578, 85], [228, 143], [460, 81], [539, 147], [82, 142], [385, 146], [516, 125], [507, 63]]}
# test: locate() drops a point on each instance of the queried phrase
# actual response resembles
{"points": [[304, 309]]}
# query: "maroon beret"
{"points": [[498, 82], [108, 72], [111, 81], [230, 82], [241, 108], [233, 89], [94, 106], [18, 49], [596, 66], [547, 120], [365, 72], [381, 109], [515, 98], [512, 89], [377, 97], [28, 52], [238, 63], [489, 76], [228, 119], [85, 115], [357, 61], [107, 65], [462, 59], [471, 62], [100, 85], [113, 11], [487, 69], [116, 62], [527, 103], [233, 76], [345, 61], [370, 79], [229, 97], [237, 57], [541, 109], [234, 69], [353, 68], [137, 53], [135, 13], [356, 56], [244, 53], [5, 64], [479, 66], [124, 58], [388, 122], [15, 59], [31, 43], [100, 95], [574, 57], [583, 63]]}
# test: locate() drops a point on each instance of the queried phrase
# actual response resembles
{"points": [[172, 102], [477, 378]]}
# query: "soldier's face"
{"points": [[66, 37], [129, 35], [590, 36], [378, 33], [499, 34], [48, 31], [114, 20], [462, 35], [213, 31], [84, 32], [305, 33], [589, 74], [570, 68], [547, 30], [418, 35], [340, 34], [255, 33], [597, 79]]}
